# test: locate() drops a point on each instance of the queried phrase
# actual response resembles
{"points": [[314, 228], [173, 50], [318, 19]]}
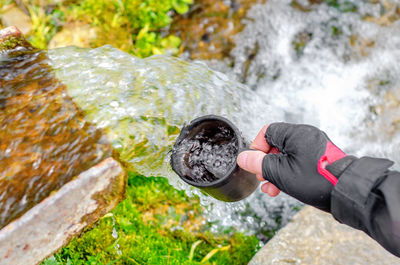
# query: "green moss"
{"points": [[156, 224], [9, 44]]}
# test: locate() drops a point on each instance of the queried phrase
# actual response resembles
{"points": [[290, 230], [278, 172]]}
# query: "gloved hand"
{"points": [[306, 167]]}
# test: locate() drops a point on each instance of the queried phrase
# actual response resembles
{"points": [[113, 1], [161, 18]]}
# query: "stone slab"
{"points": [[52, 223], [313, 237]]}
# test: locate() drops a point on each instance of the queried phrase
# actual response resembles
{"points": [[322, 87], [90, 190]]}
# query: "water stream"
{"points": [[44, 138], [322, 66]]}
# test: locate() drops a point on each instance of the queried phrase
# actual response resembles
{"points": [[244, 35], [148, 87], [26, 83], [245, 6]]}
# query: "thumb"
{"points": [[273, 166], [251, 161]]}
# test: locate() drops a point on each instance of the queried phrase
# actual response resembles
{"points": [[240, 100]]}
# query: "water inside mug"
{"points": [[208, 152]]}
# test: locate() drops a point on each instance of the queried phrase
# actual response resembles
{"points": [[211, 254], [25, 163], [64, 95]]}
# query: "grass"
{"points": [[155, 224]]}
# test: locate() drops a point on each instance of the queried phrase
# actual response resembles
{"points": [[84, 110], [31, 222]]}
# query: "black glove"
{"points": [[308, 165]]}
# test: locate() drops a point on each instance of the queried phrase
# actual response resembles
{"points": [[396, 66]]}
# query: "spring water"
{"points": [[321, 65]]}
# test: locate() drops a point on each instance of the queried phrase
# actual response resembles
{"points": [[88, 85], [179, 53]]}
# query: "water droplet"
{"points": [[114, 233]]}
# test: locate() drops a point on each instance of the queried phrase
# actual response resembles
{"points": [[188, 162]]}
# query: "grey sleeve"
{"points": [[367, 197]]}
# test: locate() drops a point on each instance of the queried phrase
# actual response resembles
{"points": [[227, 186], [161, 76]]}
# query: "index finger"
{"points": [[259, 142]]}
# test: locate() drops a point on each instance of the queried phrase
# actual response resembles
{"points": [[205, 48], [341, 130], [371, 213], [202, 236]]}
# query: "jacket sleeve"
{"points": [[367, 197]]}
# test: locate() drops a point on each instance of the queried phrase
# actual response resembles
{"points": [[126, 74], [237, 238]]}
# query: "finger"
{"points": [[251, 161], [270, 189], [276, 134], [260, 177], [273, 166], [259, 142]]}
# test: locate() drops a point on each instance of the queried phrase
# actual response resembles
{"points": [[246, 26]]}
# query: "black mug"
{"points": [[213, 136]]}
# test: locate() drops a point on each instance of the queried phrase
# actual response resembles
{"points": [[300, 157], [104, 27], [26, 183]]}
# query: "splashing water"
{"points": [[142, 103], [115, 235], [334, 70], [324, 67], [329, 68]]}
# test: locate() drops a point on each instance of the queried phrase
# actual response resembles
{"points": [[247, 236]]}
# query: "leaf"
{"points": [[156, 50], [180, 7], [143, 31], [213, 252], [192, 249], [171, 42]]}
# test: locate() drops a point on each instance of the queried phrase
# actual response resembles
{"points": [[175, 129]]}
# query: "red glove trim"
{"points": [[332, 154]]}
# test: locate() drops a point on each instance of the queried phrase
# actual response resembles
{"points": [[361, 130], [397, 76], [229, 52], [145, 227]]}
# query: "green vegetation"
{"points": [[155, 224], [300, 41], [343, 6], [45, 24], [134, 26]]}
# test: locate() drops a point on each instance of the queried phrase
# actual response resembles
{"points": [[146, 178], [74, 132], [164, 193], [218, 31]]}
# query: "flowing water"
{"points": [[319, 65], [44, 138], [141, 104]]}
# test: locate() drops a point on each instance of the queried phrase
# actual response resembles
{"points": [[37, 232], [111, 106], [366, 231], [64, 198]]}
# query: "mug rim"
{"points": [[185, 131]]}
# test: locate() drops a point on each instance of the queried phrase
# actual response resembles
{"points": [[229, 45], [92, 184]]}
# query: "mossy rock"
{"points": [[11, 38]]}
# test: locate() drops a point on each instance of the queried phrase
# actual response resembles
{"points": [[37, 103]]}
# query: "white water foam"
{"points": [[331, 84], [340, 81]]}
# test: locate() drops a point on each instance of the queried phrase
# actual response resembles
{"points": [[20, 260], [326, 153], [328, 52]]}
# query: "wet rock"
{"points": [[14, 16], [57, 175], [76, 34], [60, 217], [45, 140], [314, 237], [390, 14], [207, 30]]}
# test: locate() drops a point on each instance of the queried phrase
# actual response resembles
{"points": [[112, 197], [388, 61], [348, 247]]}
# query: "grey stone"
{"points": [[52, 223], [315, 237]]}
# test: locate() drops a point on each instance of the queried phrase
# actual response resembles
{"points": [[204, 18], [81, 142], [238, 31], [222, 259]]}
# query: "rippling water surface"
{"points": [[45, 140], [322, 66]]}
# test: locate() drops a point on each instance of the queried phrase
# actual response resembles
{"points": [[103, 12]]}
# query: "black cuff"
{"points": [[339, 166], [351, 196]]}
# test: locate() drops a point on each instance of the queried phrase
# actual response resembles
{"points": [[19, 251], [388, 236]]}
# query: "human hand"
{"points": [[299, 160], [252, 161]]}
